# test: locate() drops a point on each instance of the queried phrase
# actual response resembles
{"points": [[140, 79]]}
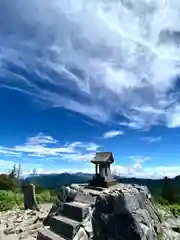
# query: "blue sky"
{"points": [[78, 77]]}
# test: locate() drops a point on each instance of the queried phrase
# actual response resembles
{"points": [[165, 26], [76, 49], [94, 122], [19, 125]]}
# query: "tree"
{"points": [[34, 172], [12, 179], [13, 172], [18, 171], [168, 190], [7, 182]]}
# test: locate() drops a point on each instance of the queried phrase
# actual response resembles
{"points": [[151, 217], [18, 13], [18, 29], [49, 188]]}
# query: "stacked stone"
{"points": [[119, 212], [70, 217]]}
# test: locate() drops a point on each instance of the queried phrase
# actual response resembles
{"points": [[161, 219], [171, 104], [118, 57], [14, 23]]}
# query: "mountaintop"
{"points": [[122, 211]]}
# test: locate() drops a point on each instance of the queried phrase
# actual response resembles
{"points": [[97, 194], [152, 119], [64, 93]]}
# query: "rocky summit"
{"points": [[118, 212]]}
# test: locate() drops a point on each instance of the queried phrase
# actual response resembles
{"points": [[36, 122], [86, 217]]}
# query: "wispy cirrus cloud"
{"points": [[41, 139], [139, 159], [152, 139], [112, 133], [114, 66]]}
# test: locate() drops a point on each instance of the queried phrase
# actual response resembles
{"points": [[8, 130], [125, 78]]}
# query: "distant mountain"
{"points": [[84, 175], [154, 185], [58, 180]]}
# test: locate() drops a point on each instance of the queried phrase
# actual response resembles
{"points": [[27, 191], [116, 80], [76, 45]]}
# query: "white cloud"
{"points": [[66, 170], [138, 171], [174, 117], [124, 67], [79, 156], [139, 159], [42, 146], [92, 147], [112, 133], [135, 170], [152, 139], [8, 152], [41, 139], [6, 164]]}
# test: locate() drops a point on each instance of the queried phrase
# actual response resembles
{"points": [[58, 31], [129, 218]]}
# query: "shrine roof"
{"points": [[103, 157]]}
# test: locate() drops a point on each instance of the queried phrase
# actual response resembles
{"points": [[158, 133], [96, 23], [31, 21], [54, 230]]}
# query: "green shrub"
{"points": [[9, 200], [7, 183], [175, 209]]}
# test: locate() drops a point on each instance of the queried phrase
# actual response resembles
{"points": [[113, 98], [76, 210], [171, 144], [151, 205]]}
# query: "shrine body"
{"points": [[103, 177]]}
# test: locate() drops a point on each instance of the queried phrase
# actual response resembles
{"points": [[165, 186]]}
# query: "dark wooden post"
{"points": [[30, 197]]}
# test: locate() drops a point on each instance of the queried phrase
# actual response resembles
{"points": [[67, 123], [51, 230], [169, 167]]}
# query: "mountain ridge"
{"points": [[58, 180]]}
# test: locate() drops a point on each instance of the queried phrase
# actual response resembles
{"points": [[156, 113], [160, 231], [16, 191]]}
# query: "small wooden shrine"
{"points": [[103, 177]]}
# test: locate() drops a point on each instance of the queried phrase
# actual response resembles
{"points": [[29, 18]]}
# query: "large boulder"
{"points": [[125, 212]]}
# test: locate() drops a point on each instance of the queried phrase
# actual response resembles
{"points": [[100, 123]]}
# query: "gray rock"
{"points": [[66, 194], [46, 234], [76, 210], [56, 209], [65, 226], [120, 214], [83, 198], [151, 234]]}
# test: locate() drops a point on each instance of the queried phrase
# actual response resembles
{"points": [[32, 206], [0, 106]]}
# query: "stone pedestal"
{"points": [[99, 181]]}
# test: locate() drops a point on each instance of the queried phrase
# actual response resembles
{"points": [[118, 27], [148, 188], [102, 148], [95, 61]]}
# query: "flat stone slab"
{"points": [[47, 234], [76, 210], [64, 226], [85, 199]]}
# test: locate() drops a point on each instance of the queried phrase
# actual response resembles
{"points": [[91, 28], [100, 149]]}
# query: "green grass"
{"points": [[161, 236], [13, 199], [45, 197], [175, 209], [163, 203], [9, 200]]}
